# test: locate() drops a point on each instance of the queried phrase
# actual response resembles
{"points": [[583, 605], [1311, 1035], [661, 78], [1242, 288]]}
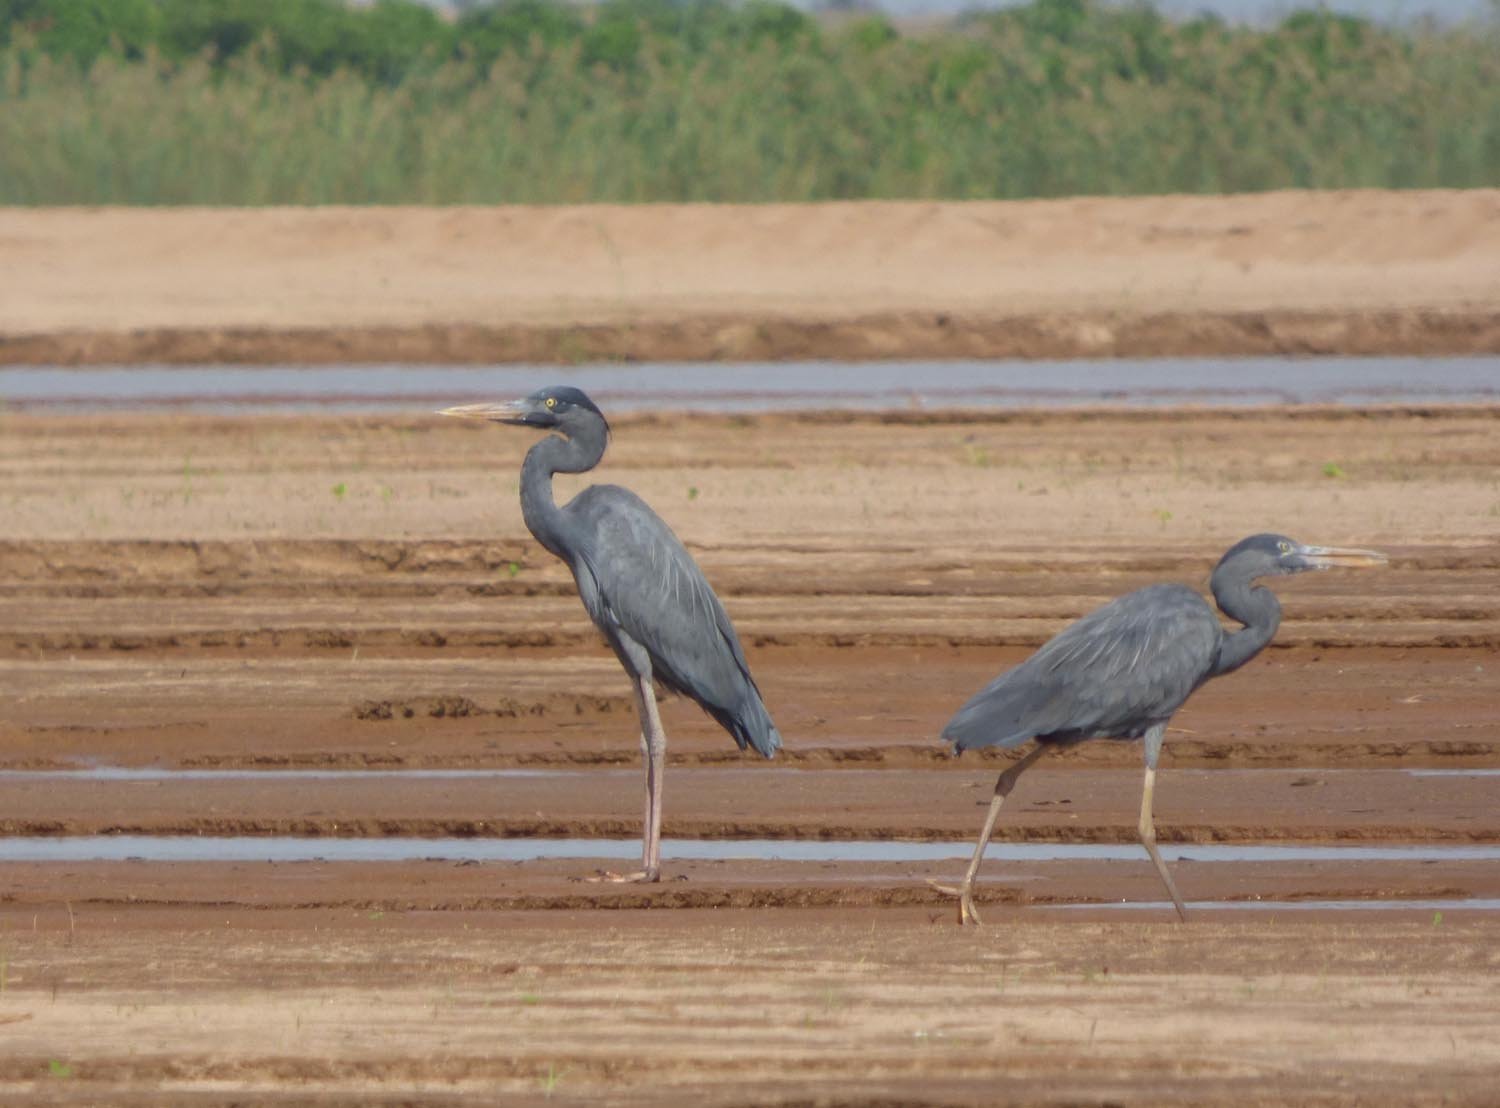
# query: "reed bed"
{"points": [[1004, 106]]}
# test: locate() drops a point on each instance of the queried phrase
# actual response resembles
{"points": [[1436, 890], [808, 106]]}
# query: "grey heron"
{"points": [[639, 585], [1123, 670]]}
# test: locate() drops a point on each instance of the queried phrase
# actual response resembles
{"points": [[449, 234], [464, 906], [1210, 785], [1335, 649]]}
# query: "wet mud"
{"points": [[358, 594], [751, 337]]}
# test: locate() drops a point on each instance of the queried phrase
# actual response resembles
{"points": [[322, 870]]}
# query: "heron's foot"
{"points": [[967, 913], [643, 876]]}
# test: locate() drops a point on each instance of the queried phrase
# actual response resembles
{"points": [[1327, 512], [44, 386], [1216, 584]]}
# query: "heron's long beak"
{"points": [[509, 411], [1339, 557]]}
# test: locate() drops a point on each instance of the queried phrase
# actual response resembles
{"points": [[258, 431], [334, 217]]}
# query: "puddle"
{"points": [[149, 773], [154, 848], [749, 386], [1320, 853], [128, 774], [1473, 904]]}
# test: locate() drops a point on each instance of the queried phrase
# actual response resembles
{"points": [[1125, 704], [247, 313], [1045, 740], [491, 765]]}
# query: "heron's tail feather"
{"points": [[977, 737], [979, 724], [750, 725]]}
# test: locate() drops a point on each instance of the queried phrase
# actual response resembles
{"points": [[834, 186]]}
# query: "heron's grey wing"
{"points": [[650, 588], [1115, 672]]}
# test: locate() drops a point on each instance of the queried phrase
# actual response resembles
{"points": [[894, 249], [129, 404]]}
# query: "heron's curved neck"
{"points": [[555, 454], [1254, 606]]}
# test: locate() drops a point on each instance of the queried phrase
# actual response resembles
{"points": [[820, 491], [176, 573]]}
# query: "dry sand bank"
{"points": [[1359, 272]]}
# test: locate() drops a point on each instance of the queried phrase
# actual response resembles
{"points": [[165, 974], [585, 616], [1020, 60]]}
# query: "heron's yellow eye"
{"points": [[551, 401], [1284, 547]]}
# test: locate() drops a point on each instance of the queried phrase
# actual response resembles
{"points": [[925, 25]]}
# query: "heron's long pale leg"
{"points": [[1147, 827], [654, 755], [967, 913]]}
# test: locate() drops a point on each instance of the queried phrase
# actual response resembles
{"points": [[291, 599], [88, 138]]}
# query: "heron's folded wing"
{"points": [[653, 590], [1131, 662]]}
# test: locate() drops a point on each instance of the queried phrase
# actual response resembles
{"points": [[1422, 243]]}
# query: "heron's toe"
{"points": [[967, 913], [950, 890], [605, 876]]}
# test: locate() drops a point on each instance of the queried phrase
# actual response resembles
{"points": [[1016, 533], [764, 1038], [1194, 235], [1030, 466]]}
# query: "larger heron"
{"points": [[1123, 670], [639, 585]]}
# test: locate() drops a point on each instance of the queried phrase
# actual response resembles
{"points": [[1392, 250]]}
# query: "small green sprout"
{"points": [[552, 1079]]}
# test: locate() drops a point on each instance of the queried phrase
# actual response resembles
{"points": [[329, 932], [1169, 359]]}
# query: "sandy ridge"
{"points": [[1291, 272]]}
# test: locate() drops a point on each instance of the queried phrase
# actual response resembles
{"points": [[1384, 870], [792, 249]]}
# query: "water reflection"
{"points": [[1451, 904], [1157, 382], [169, 848], [129, 774]]}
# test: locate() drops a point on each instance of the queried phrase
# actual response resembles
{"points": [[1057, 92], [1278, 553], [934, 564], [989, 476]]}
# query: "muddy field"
{"points": [[358, 594]]}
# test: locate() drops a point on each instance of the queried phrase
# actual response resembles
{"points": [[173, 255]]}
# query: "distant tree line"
{"points": [[389, 40]]}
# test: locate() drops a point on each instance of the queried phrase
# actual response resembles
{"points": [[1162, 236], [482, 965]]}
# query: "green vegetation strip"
{"points": [[309, 101]]}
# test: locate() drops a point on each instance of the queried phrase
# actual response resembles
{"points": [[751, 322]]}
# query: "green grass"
{"points": [[1060, 98]]}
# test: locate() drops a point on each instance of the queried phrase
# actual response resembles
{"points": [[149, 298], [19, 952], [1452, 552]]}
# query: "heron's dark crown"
{"points": [[565, 396], [1265, 543], [1263, 555], [551, 407]]}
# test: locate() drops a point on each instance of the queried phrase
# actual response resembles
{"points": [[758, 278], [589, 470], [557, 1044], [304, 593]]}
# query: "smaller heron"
{"points": [[1123, 670], [639, 585]]}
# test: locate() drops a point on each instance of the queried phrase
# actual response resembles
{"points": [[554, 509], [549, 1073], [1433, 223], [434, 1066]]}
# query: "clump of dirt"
{"points": [[438, 707], [462, 707]]}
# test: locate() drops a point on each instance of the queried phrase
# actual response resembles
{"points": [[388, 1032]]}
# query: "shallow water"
{"points": [[153, 774], [1453, 904], [724, 387], [166, 773], [167, 848], [157, 774]]}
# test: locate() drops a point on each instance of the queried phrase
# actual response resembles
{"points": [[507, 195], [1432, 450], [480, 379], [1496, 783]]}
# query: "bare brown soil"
{"points": [[727, 1007], [1356, 272], [199, 593]]}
